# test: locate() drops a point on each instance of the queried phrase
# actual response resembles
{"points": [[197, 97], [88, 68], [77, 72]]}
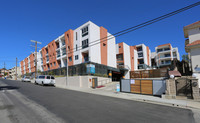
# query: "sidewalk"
{"points": [[109, 90]]}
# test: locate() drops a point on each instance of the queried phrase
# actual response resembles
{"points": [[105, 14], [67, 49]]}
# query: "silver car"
{"points": [[26, 79]]}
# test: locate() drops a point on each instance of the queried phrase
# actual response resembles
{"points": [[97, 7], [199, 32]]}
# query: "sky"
{"points": [[45, 20]]}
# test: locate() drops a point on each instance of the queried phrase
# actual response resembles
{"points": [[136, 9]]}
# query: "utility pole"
{"points": [[16, 70], [4, 68], [36, 42], [67, 64]]}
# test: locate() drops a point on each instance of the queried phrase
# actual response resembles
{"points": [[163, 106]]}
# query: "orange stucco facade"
{"points": [[69, 41], [26, 65], [148, 56], [103, 45], [22, 67], [121, 51], [132, 50]]}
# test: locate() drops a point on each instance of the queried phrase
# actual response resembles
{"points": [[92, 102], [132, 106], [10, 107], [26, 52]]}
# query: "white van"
{"points": [[45, 80]]}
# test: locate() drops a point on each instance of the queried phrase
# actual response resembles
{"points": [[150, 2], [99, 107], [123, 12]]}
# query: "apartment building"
{"points": [[192, 46], [126, 58], [13, 72], [165, 54], [79, 46], [86, 43], [28, 64], [144, 56]]}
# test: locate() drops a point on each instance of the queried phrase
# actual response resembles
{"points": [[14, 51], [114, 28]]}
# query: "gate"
{"points": [[143, 86], [183, 87]]}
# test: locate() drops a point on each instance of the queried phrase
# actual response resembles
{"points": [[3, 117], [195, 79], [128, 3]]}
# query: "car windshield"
{"points": [[27, 77]]}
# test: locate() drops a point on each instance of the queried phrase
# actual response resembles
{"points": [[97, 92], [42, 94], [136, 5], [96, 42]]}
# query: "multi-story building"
{"points": [[82, 45], [144, 56], [192, 47], [28, 64], [126, 57], [133, 57], [5, 72], [13, 72], [87, 43], [165, 54]]}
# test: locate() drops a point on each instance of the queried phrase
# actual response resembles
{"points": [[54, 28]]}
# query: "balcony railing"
{"points": [[84, 46], [63, 53]]}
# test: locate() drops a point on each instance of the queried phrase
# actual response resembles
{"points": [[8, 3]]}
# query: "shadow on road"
{"points": [[8, 88]]}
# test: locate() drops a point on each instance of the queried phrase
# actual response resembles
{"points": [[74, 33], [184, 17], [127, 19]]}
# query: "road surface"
{"points": [[26, 102]]}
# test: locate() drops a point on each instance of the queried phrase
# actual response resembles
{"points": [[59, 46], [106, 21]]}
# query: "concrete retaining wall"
{"points": [[80, 81]]}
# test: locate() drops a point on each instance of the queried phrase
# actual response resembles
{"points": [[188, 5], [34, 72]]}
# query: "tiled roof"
{"points": [[194, 43], [193, 24]]}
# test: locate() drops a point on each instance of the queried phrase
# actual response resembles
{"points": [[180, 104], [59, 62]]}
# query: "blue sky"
{"points": [[45, 20]]}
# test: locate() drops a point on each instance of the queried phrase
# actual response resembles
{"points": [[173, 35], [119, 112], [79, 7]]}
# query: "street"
{"points": [[51, 104]]}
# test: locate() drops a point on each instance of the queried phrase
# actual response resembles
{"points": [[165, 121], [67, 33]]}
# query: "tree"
{"points": [[185, 58], [5, 74]]}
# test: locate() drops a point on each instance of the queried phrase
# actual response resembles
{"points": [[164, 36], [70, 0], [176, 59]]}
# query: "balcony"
{"points": [[163, 50], [47, 59], [64, 53], [84, 46]]}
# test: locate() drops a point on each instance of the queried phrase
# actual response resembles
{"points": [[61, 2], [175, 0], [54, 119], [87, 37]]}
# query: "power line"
{"points": [[133, 28]]}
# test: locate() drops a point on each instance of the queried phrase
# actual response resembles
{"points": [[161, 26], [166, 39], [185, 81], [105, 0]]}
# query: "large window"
{"points": [[84, 43], [85, 31]]}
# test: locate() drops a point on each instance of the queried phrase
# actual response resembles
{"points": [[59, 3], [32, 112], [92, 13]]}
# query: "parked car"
{"points": [[45, 80], [26, 79]]}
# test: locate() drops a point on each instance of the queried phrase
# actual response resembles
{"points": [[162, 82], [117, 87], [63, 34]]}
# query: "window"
{"points": [[167, 55], [85, 31], [104, 44], [51, 64], [139, 48], [48, 77], [41, 77], [76, 36], [54, 63], [120, 57], [141, 61], [52, 77], [84, 43], [76, 57], [119, 46], [76, 47], [70, 59], [165, 49], [159, 50], [140, 54]]}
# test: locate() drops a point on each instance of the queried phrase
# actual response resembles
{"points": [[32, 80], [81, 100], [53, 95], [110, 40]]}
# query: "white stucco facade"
{"points": [[192, 32]]}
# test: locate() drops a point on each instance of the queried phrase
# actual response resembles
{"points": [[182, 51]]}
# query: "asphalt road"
{"points": [[77, 107]]}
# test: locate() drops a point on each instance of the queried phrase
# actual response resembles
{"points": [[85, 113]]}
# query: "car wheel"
{"points": [[42, 83], [35, 82]]}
